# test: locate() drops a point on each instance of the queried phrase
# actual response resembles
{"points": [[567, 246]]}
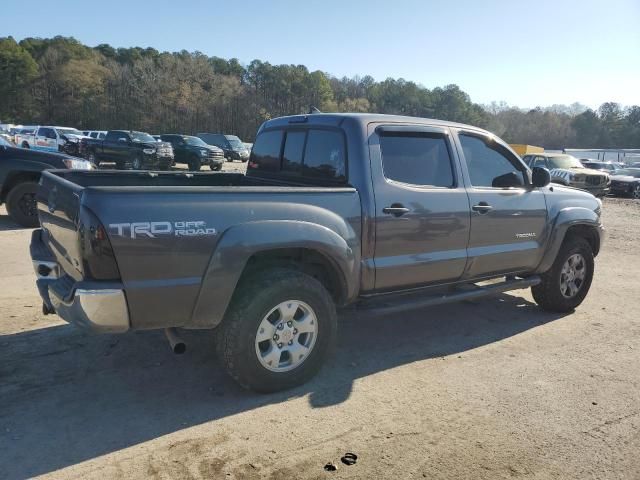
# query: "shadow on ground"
{"points": [[6, 223], [68, 396]]}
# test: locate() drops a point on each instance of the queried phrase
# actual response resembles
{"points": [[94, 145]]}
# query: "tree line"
{"points": [[60, 81]]}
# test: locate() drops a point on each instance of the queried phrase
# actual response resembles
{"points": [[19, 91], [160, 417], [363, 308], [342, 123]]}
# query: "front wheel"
{"points": [[216, 168], [636, 192], [278, 330], [567, 282], [22, 205], [137, 163]]}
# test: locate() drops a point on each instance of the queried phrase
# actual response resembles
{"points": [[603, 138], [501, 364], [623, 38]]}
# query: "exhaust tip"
{"points": [[179, 348], [175, 342]]}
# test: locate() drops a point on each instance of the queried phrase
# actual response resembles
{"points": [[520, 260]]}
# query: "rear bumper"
{"points": [[98, 306], [103, 310]]}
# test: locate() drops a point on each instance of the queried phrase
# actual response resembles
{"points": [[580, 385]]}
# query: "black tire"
{"points": [[21, 204], [548, 294], [635, 193], [216, 168], [255, 297], [136, 163], [194, 164], [25, 145]]}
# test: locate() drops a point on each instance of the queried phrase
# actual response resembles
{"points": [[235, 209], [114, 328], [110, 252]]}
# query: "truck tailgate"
{"points": [[59, 210]]}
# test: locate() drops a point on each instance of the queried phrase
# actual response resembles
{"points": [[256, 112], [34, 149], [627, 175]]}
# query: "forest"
{"points": [[60, 81]]}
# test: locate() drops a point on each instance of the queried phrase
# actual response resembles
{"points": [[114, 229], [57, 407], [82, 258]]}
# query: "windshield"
{"points": [[141, 137], [629, 172], [564, 161], [235, 142], [194, 141], [68, 131], [4, 143]]}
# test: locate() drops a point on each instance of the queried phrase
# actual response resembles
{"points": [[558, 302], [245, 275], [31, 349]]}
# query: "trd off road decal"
{"points": [[193, 228]]}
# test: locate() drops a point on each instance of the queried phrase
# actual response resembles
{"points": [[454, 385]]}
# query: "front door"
{"points": [[422, 208], [508, 224]]}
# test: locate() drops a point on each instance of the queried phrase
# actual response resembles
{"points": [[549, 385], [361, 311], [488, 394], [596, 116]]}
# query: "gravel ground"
{"points": [[480, 390]]}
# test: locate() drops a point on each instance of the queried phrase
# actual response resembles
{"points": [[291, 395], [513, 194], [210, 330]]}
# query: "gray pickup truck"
{"points": [[377, 212]]}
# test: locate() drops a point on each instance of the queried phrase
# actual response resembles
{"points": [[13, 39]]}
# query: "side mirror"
{"points": [[540, 177], [511, 179]]}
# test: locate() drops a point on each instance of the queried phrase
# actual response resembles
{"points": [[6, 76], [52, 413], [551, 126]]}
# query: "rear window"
{"points": [[417, 159], [311, 154]]}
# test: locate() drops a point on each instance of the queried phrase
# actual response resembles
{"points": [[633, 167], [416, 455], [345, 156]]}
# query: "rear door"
{"points": [[508, 224], [422, 208]]}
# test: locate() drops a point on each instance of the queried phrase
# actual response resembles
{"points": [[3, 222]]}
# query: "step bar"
{"points": [[399, 303]]}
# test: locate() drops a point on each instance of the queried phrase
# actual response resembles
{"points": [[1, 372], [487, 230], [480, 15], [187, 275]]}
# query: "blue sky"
{"points": [[524, 52]]}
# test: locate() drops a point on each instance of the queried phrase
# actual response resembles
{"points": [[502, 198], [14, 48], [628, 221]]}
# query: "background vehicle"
{"points": [[567, 170], [129, 149], [626, 182], [194, 152], [377, 211], [53, 139], [19, 175], [7, 138], [232, 146]]}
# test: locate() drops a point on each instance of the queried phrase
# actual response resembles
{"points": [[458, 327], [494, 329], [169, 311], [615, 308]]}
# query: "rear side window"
{"points": [[265, 156], [417, 159], [324, 156], [312, 154]]}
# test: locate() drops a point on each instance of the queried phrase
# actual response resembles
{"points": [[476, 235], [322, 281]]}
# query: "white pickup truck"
{"points": [[52, 139]]}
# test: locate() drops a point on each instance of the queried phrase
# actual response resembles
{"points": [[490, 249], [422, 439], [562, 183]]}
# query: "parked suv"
{"points": [[194, 152], [568, 170], [378, 212], [232, 146]]}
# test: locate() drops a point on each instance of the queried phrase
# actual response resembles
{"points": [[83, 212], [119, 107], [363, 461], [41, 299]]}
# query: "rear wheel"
{"points": [[635, 193], [25, 145], [22, 205], [567, 282], [278, 330]]}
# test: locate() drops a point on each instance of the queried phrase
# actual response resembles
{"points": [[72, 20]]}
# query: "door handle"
{"points": [[482, 208], [396, 209]]}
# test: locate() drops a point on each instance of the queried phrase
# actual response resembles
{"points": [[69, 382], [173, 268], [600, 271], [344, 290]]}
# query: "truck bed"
{"points": [[166, 230]]}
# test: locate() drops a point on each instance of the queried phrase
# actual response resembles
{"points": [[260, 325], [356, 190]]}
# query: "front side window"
{"points": [[487, 161], [417, 159]]}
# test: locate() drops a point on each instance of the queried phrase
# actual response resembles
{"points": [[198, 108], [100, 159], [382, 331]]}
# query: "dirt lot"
{"points": [[479, 390]]}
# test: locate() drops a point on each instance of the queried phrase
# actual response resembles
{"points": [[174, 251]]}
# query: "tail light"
{"points": [[97, 253]]}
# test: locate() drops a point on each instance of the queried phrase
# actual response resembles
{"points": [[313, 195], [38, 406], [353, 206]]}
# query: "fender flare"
{"points": [[239, 243], [567, 218]]}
